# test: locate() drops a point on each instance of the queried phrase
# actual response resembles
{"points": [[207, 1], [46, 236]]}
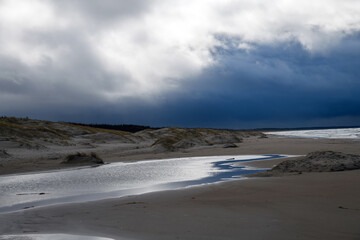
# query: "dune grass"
{"points": [[83, 158]]}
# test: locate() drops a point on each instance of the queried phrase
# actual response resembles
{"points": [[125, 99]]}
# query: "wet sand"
{"points": [[306, 206]]}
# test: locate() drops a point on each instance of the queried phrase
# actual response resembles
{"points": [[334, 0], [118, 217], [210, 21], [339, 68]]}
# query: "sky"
{"points": [[200, 63]]}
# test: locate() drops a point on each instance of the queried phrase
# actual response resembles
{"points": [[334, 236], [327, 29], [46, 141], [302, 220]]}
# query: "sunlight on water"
{"points": [[51, 236], [25, 191]]}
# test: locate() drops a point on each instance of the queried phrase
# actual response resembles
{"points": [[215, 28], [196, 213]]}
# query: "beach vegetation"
{"points": [[92, 130], [83, 158]]}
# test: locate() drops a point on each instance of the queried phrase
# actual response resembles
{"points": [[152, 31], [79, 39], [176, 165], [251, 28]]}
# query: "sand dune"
{"points": [[32, 145], [320, 161]]}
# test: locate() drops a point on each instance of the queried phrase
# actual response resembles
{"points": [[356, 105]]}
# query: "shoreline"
{"points": [[307, 206]]}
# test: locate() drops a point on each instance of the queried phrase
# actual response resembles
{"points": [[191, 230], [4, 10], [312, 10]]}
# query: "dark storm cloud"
{"points": [[204, 63], [274, 86], [281, 83], [271, 86]]}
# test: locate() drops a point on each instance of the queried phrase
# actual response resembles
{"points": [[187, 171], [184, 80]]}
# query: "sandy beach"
{"points": [[304, 206], [307, 206]]}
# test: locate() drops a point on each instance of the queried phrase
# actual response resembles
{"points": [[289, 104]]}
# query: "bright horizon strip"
{"points": [[343, 133]]}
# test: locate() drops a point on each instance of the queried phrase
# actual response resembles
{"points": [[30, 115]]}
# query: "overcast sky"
{"points": [[199, 63]]}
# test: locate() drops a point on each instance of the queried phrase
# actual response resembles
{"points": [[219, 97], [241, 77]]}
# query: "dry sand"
{"points": [[306, 206], [33, 160]]}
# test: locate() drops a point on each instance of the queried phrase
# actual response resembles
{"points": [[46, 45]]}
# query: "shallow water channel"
{"points": [[50, 236], [24, 191]]}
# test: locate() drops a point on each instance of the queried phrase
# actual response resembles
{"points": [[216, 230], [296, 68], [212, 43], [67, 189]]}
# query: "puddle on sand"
{"points": [[120, 179], [51, 236]]}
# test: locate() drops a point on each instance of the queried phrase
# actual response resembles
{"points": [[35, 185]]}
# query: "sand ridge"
{"points": [[319, 161]]}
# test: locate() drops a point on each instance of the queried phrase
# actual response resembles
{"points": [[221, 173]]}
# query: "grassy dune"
{"points": [[35, 133], [44, 143]]}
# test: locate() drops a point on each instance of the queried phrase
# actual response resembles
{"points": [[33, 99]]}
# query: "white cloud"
{"points": [[148, 50], [18, 21]]}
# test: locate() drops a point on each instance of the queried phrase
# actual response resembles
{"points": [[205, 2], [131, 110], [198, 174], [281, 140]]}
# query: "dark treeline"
{"points": [[122, 127]]}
